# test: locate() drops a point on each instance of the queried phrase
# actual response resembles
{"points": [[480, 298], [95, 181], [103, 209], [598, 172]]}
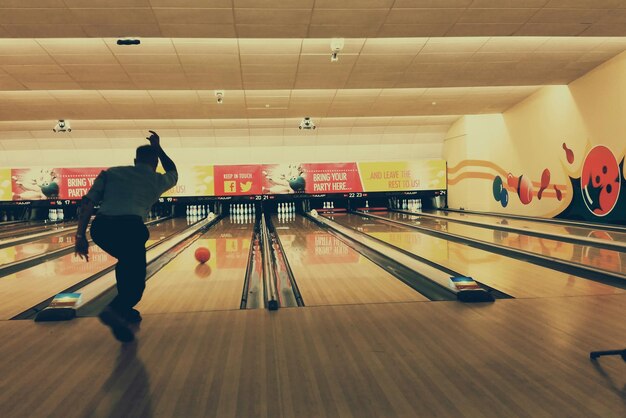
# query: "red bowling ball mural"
{"points": [[596, 193]]}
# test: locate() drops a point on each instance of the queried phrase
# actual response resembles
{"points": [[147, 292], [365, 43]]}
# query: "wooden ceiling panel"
{"points": [[111, 14], [266, 16], [500, 15], [102, 30], [484, 29], [423, 16], [198, 16], [197, 30], [306, 18]]}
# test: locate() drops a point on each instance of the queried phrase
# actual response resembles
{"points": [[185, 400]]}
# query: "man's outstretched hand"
{"points": [[81, 248], [154, 139]]}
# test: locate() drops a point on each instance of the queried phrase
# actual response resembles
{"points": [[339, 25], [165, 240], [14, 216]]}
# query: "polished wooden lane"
{"points": [[513, 358], [34, 248], [598, 258], [184, 285], [34, 229], [29, 287], [514, 277], [328, 272], [560, 229]]}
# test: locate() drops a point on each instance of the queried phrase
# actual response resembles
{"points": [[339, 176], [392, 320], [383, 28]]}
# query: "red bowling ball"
{"points": [[202, 254]]}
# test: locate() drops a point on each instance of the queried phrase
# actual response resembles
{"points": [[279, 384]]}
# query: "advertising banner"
{"points": [[74, 183], [42, 183], [403, 175], [193, 181], [238, 180]]}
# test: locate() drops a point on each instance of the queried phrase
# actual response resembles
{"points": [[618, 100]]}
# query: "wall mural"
{"points": [[596, 190]]}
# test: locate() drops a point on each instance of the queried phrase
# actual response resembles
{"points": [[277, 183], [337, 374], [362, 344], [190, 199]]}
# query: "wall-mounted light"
{"points": [[336, 45]]}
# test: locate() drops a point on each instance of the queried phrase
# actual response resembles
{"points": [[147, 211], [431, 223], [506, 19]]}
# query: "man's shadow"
{"points": [[126, 392]]}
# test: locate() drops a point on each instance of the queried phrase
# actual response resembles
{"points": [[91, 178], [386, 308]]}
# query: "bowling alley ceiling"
{"points": [[407, 70], [310, 18]]}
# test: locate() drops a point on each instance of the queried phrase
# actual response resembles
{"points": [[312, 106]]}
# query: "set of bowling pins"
{"points": [[406, 204], [288, 207], [241, 218], [56, 215], [286, 216], [328, 205], [6, 217], [197, 210], [242, 209]]}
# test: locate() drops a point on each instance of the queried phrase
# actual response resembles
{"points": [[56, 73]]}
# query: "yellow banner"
{"points": [[393, 176], [5, 184], [193, 181]]}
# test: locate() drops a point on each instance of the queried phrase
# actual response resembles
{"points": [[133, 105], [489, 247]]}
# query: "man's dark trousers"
{"points": [[124, 237]]}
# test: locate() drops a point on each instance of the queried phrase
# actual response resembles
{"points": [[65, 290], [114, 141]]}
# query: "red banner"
{"points": [[35, 183], [314, 178], [237, 180], [332, 178], [76, 182]]}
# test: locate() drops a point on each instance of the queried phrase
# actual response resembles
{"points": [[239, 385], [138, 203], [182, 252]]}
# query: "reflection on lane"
{"points": [[34, 248], [599, 258], [63, 240], [29, 287], [511, 276], [328, 272], [184, 285], [577, 231], [34, 229]]}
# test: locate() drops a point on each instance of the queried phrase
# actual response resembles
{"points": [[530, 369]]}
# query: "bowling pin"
{"points": [[60, 214]]}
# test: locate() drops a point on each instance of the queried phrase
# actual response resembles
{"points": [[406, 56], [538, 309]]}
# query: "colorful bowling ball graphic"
{"points": [[500, 194], [600, 181], [525, 190], [504, 198], [497, 187]]}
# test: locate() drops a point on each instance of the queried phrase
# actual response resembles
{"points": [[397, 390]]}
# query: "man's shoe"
{"points": [[119, 327], [133, 316]]}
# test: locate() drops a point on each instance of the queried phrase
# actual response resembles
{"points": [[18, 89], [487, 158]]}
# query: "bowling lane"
{"points": [[538, 226], [328, 272], [10, 226], [514, 277], [602, 259], [29, 287], [184, 285], [43, 245], [34, 229]]}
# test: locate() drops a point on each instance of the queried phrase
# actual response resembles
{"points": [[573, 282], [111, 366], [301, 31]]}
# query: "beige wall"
{"points": [[528, 138], [224, 155]]}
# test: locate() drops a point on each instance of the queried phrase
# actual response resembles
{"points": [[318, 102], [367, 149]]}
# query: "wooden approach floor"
{"points": [[513, 358]]}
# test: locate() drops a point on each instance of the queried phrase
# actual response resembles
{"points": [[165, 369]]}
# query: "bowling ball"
{"points": [[504, 198], [600, 181], [202, 254], [497, 187], [525, 190]]}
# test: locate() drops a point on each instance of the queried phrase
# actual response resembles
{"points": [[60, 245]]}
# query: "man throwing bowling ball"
{"points": [[125, 195]]}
